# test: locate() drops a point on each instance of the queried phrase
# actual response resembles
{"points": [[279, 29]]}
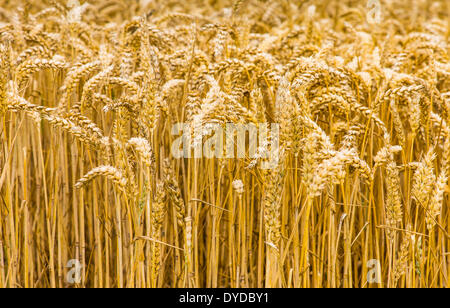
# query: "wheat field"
{"points": [[91, 195]]}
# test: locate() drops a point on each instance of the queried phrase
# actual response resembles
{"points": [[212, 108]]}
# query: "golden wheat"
{"points": [[89, 99]]}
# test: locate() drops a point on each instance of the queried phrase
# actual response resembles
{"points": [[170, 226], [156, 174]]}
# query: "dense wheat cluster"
{"points": [[89, 94]]}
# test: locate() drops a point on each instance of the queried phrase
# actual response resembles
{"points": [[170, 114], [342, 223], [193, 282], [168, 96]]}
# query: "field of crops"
{"points": [[335, 176]]}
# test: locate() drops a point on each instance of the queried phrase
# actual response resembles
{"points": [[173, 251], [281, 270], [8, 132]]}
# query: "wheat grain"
{"points": [[359, 171], [107, 171]]}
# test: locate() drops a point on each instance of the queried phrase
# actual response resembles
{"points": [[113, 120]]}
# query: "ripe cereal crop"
{"points": [[314, 150]]}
